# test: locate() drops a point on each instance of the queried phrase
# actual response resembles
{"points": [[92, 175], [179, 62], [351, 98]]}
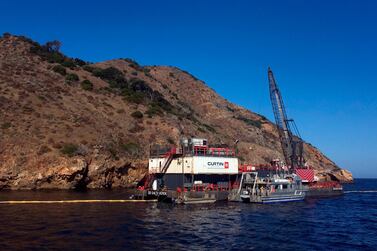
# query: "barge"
{"points": [[192, 173], [195, 173]]}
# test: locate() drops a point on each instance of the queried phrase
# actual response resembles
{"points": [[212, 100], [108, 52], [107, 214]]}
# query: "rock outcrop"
{"points": [[68, 124]]}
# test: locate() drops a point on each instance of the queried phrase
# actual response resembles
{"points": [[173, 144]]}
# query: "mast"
{"points": [[292, 145]]}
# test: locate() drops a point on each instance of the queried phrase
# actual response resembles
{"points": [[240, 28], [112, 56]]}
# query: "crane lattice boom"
{"points": [[292, 145]]}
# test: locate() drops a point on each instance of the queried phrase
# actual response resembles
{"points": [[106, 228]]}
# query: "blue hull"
{"points": [[281, 200], [267, 200]]}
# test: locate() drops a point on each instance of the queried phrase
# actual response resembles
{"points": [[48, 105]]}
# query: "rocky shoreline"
{"points": [[100, 173]]}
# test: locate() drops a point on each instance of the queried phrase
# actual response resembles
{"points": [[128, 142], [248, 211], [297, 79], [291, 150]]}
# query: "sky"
{"points": [[323, 54]]}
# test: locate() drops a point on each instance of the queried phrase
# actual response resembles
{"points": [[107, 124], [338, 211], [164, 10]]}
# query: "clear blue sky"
{"points": [[323, 54]]}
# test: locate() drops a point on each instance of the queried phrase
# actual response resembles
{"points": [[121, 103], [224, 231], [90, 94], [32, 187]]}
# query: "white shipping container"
{"points": [[214, 165], [196, 165]]}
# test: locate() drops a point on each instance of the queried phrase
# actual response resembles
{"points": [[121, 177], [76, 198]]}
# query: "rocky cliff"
{"points": [[65, 123]]}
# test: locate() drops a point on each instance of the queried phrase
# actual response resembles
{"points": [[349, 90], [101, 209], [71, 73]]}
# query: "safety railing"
{"points": [[325, 184], [251, 168], [220, 186], [213, 152]]}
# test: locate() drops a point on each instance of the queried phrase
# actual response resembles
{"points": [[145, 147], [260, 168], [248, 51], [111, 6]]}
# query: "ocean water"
{"points": [[347, 222]]}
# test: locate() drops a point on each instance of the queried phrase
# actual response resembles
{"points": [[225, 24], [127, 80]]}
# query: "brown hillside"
{"points": [[68, 124]]}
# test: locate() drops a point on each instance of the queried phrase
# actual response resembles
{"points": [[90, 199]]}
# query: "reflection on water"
{"points": [[347, 222]]}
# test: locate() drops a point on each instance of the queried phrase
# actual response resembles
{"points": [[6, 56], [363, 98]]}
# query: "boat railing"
{"points": [[325, 184], [253, 168], [213, 151], [219, 186], [159, 151]]}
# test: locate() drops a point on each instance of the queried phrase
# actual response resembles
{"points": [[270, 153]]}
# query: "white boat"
{"points": [[279, 188]]}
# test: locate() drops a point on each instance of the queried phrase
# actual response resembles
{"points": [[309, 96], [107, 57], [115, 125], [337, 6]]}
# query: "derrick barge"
{"points": [[192, 173], [196, 173]]}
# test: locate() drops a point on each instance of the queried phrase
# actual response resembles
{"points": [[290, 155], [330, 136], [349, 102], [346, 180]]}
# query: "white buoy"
{"points": [[154, 185]]}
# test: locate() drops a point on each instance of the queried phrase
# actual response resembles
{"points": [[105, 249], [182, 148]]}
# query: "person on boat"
{"points": [[262, 190], [272, 189]]}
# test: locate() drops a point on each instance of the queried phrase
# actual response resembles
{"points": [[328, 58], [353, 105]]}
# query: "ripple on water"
{"points": [[348, 222]]}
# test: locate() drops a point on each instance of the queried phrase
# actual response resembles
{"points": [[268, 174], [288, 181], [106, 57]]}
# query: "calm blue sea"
{"points": [[348, 222]]}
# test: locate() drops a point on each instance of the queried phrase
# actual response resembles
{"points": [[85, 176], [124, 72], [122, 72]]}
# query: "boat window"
{"points": [[285, 186]]}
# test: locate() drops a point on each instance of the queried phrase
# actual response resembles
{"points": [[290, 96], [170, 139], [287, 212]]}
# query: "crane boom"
{"points": [[292, 145]]}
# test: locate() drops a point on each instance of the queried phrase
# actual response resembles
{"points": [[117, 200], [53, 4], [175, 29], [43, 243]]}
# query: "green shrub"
{"points": [[55, 57], [49, 51], [192, 76], [110, 73], [137, 114], [230, 109], [69, 149], [113, 148], [28, 40], [69, 64], [164, 104], [43, 149], [250, 122], [154, 109], [132, 96], [6, 125], [139, 85], [87, 85], [90, 68], [113, 76], [131, 148], [71, 77], [191, 116], [263, 118], [146, 70], [136, 128], [201, 129], [79, 62], [209, 128], [131, 61], [52, 46], [6, 35], [59, 69], [133, 64]]}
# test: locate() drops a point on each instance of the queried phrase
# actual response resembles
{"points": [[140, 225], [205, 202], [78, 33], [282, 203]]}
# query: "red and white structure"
{"points": [[195, 162]]}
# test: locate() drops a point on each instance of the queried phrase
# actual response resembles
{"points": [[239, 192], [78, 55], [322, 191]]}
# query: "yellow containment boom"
{"points": [[69, 201]]}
